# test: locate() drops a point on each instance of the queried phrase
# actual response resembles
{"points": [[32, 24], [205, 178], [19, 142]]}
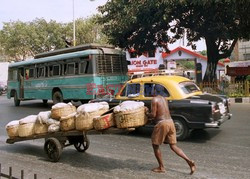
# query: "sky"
{"points": [[58, 10]]}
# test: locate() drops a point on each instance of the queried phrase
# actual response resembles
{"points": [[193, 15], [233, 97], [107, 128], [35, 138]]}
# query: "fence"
{"points": [[231, 89], [9, 175]]}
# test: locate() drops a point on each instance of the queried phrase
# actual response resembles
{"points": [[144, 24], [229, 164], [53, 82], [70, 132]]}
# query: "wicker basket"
{"points": [[85, 121], [133, 118], [67, 123], [12, 131], [57, 113], [26, 129], [104, 122], [41, 128]]}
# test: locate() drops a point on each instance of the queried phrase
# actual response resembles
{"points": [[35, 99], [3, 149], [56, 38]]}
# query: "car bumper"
{"points": [[219, 122]]}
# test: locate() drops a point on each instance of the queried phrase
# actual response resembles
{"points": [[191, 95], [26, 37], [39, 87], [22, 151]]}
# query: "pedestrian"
{"points": [[164, 130]]}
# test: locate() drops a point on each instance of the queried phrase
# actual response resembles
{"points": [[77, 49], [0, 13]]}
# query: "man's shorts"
{"points": [[165, 132]]}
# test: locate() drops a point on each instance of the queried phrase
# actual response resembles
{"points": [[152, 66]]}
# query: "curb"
{"points": [[240, 100]]}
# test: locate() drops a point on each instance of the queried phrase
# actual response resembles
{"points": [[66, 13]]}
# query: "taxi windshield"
{"points": [[189, 87]]}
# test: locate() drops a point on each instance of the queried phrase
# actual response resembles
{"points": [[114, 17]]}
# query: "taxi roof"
{"points": [[161, 78]]}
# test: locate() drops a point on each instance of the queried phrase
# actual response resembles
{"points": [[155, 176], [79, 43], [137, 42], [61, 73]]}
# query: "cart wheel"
{"points": [[53, 149], [82, 145]]}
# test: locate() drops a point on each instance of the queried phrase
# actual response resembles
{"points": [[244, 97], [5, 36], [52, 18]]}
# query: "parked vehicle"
{"points": [[190, 108], [77, 73], [3, 88]]}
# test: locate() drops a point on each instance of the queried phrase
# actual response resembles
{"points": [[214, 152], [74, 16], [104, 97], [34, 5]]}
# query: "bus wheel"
{"points": [[57, 97], [16, 100]]}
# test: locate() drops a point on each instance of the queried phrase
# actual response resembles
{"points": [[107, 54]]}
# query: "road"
{"points": [[218, 153]]}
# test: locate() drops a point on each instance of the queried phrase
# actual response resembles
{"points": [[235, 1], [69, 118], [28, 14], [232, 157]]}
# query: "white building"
{"points": [[152, 62]]}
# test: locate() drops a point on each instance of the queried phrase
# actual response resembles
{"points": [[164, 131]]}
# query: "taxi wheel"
{"points": [[181, 129]]}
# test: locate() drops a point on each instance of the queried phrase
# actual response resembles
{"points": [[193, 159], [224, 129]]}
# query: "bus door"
{"points": [[21, 82]]}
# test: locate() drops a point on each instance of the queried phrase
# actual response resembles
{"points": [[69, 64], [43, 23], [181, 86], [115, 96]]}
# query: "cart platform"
{"points": [[55, 142]]}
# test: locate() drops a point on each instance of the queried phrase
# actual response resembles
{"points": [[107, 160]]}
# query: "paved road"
{"points": [[219, 153]]}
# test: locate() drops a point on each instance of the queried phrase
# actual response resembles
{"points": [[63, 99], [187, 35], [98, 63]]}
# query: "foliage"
{"points": [[21, 40], [146, 24]]}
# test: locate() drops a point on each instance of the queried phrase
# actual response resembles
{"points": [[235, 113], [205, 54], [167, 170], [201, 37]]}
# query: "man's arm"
{"points": [[153, 108]]}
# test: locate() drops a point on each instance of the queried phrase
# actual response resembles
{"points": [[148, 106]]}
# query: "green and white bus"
{"points": [[77, 73]]}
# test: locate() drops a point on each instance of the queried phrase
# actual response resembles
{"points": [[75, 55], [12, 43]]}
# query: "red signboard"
{"points": [[238, 71]]}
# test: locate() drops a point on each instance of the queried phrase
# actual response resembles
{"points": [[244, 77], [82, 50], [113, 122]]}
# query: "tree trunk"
{"points": [[212, 60]]}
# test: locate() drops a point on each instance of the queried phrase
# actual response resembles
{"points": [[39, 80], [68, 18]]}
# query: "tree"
{"points": [[146, 24], [14, 39], [20, 40], [88, 31]]}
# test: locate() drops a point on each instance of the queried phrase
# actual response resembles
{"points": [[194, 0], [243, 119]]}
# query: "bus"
{"points": [[78, 73]]}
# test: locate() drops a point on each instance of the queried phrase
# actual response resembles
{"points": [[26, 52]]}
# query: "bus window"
{"points": [[10, 76], [40, 72], [70, 68], [83, 67], [26, 74], [89, 68], [56, 70], [76, 69], [46, 71], [31, 73], [50, 70]]}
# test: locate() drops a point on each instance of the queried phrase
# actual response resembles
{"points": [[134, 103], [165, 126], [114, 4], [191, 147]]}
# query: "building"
{"points": [[241, 51], [169, 61]]}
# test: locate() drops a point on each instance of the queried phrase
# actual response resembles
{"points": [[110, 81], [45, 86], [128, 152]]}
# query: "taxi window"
{"points": [[152, 89], [189, 87], [132, 89]]}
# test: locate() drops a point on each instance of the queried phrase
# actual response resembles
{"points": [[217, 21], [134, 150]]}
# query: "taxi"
{"points": [[189, 107]]}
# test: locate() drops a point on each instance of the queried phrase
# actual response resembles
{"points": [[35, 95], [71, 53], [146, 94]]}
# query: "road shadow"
{"points": [[76, 159], [195, 135]]}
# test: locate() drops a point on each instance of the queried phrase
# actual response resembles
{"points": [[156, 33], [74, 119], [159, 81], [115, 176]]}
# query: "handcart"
{"points": [[55, 142]]}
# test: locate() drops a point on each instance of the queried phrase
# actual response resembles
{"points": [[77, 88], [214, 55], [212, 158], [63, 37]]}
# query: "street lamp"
{"points": [[74, 25]]}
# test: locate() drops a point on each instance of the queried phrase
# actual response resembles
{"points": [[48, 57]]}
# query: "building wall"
{"points": [[244, 50]]}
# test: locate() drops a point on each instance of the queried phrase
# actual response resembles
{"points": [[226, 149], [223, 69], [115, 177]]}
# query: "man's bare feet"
{"points": [[192, 167], [159, 170]]}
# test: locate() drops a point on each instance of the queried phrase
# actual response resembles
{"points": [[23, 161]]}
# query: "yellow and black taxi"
{"points": [[190, 108]]}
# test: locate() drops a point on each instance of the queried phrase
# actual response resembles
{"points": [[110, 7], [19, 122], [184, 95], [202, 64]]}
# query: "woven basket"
{"points": [[40, 128], [85, 121], [57, 113], [133, 118], [67, 123], [12, 131], [26, 129], [104, 122]]}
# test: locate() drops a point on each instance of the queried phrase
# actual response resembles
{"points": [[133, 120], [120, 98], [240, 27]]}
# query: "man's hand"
{"points": [[146, 111]]}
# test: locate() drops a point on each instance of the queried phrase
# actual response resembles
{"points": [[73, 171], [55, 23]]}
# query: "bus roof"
{"points": [[67, 55], [75, 49]]}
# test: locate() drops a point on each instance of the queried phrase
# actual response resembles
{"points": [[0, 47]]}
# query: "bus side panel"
{"points": [[13, 85], [37, 89]]}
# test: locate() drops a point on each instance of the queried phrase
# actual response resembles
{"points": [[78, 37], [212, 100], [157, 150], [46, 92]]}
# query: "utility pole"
{"points": [[74, 25]]}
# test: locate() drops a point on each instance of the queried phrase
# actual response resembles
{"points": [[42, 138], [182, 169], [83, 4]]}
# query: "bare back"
{"points": [[160, 108]]}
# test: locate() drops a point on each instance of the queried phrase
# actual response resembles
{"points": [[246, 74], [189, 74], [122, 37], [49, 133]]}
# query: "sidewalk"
{"points": [[240, 100]]}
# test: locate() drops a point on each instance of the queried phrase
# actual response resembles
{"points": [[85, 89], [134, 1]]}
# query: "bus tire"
{"points": [[16, 100], [57, 97]]}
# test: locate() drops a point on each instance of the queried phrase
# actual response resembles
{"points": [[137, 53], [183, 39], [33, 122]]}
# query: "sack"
{"points": [[68, 123], [62, 110], [12, 129], [104, 122], [132, 118], [84, 121]]}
